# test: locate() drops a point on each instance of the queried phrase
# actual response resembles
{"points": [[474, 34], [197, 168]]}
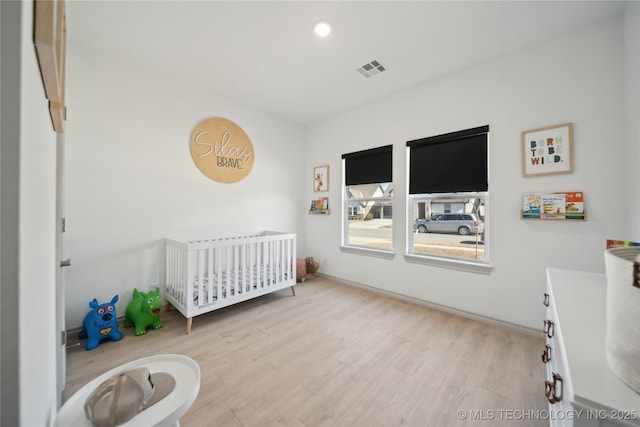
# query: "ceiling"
{"points": [[263, 54]]}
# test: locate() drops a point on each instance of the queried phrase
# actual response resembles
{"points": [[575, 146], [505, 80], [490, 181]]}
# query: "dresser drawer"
{"points": [[554, 385]]}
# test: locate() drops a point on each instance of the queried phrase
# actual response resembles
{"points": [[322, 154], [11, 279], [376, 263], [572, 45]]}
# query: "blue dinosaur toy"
{"points": [[144, 311], [100, 323]]}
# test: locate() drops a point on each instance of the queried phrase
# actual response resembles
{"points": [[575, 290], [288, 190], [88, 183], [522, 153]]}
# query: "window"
{"points": [[368, 193], [448, 197]]}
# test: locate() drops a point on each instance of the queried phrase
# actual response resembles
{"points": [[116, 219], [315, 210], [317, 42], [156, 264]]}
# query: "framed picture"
{"points": [[548, 150], [321, 178], [50, 40]]}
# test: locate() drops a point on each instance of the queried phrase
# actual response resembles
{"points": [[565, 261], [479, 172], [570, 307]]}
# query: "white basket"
{"points": [[622, 343]]}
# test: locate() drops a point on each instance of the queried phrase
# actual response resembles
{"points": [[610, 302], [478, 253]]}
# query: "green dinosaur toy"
{"points": [[144, 311]]}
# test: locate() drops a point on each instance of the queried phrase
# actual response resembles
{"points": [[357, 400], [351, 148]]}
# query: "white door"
{"points": [[61, 339]]}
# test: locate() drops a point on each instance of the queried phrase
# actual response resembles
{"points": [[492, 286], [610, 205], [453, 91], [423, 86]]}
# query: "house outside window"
{"points": [[368, 200]]}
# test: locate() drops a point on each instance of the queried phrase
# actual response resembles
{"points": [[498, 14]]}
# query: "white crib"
{"points": [[207, 273]]}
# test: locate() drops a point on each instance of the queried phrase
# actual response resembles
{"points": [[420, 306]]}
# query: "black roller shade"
{"points": [[368, 166], [450, 163]]}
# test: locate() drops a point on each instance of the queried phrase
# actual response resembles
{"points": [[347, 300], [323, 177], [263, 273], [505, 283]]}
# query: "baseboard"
{"points": [[444, 308]]}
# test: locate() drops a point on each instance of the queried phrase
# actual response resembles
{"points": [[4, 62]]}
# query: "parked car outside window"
{"points": [[461, 223]]}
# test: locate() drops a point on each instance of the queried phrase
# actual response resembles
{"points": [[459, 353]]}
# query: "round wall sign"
{"points": [[222, 150]]}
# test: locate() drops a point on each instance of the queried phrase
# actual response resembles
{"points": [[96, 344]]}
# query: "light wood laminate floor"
{"points": [[336, 355]]}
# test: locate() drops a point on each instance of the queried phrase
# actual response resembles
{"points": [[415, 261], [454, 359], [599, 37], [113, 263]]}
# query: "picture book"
{"points": [[575, 205], [531, 205], [620, 243], [553, 205]]}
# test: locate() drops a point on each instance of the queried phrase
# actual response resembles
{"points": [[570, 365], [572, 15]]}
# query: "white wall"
{"points": [[632, 91], [577, 78], [131, 180]]}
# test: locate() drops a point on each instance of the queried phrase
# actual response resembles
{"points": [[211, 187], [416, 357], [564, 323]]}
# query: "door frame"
{"points": [[61, 331]]}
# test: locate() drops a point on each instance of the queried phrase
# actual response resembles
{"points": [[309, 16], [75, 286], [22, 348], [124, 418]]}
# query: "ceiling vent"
{"points": [[371, 69]]}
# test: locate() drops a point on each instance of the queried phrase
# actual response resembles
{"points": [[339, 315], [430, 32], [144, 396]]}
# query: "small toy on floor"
{"points": [[312, 265], [144, 311], [304, 267], [100, 323]]}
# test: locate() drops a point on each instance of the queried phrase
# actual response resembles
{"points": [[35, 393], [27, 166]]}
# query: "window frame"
{"points": [[345, 244], [476, 266], [452, 262]]}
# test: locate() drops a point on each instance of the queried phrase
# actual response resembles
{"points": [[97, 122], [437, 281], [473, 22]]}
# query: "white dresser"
{"points": [[580, 387]]}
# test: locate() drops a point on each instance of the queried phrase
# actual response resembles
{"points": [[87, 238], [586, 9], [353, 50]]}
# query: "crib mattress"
{"points": [[244, 281]]}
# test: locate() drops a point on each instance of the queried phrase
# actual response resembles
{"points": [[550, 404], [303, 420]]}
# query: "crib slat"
{"points": [[278, 261], [259, 265], [281, 262], [274, 262], [290, 258], [267, 271], [281, 259], [182, 256], [210, 293], [236, 282], [287, 260], [266, 264], [243, 268], [229, 284], [249, 267], [201, 288], [175, 274], [188, 299], [169, 268], [219, 284], [254, 266]]}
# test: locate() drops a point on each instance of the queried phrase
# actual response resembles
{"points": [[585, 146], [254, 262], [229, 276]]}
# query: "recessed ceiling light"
{"points": [[322, 28]]}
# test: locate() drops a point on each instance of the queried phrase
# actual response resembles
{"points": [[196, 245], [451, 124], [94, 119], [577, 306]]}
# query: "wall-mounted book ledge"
{"points": [[559, 206], [320, 206], [582, 216]]}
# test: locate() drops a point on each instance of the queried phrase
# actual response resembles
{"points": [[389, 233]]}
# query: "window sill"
{"points": [[454, 264], [360, 250]]}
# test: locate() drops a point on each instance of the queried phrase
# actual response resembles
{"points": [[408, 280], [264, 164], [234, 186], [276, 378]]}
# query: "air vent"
{"points": [[371, 69]]}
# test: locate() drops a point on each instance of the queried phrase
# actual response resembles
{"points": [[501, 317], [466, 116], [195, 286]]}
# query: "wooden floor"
{"points": [[335, 355]]}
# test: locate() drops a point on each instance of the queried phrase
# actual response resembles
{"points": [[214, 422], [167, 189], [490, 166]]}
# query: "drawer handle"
{"points": [[546, 354], [548, 328], [546, 300], [551, 388]]}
